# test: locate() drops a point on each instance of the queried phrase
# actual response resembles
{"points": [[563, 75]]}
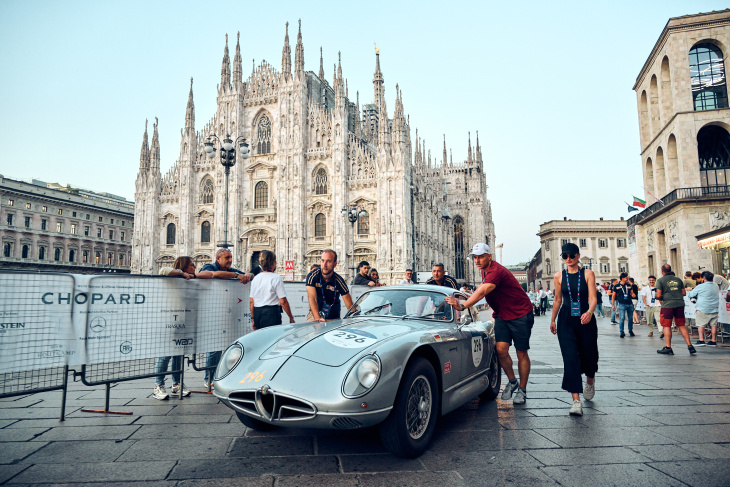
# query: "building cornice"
{"points": [[679, 27]]}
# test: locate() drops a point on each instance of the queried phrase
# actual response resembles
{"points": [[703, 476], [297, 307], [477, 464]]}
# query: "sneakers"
{"points": [[700, 343], [589, 391], [577, 408], [509, 389], [520, 396], [205, 382], [632, 334], [160, 393], [176, 390], [691, 349], [666, 351], [661, 335], [614, 322], [711, 344], [622, 334], [651, 334]]}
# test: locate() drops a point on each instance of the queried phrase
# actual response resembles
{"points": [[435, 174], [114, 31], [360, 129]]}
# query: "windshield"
{"points": [[410, 303]]}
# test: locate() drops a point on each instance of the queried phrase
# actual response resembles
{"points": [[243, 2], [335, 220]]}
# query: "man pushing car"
{"points": [[513, 317]]}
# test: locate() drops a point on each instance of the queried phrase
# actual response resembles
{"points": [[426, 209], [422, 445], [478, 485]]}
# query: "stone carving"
{"points": [[259, 236], [719, 219], [650, 239], [673, 238]]}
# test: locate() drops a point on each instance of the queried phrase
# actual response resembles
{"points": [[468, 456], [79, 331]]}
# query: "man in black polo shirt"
{"points": [[362, 278], [439, 277], [623, 295], [324, 288]]}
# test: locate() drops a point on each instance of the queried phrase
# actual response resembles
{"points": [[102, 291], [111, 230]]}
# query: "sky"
{"points": [[546, 84]]}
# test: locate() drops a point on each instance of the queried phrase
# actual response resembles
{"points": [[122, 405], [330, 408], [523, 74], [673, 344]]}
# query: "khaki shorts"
{"points": [[705, 319]]}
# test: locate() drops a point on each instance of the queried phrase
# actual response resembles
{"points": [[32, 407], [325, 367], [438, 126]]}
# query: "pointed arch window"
{"points": [[205, 232], [459, 247], [363, 223], [261, 195], [207, 192], [320, 181], [263, 135], [171, 234], [320, 225], [707, 77]]}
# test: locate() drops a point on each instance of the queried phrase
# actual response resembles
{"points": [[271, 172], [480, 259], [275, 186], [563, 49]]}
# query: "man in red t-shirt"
{"points": [[513, 317]]}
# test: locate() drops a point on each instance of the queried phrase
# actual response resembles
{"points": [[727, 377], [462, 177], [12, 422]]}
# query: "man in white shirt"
{"points": [[409, 278], [543, 299], [651, 304]]}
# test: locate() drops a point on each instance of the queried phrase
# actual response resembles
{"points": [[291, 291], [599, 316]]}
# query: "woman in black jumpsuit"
{"points": [[576, 326]]}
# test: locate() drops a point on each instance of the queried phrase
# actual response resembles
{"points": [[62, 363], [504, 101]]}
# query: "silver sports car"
{"points": [[401, 357]]}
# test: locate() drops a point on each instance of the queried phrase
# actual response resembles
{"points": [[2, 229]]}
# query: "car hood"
{"points": [[337, 342]]}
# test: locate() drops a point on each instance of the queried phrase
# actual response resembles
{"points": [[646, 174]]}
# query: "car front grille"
{"points": [[272, 406]]}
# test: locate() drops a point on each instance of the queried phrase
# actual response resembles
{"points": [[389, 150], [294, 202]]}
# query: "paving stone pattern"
{"points": [[655, 420]]}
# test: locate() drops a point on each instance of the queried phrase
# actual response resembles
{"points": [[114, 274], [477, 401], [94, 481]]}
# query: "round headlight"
{"points": [[228, 362], [362, 377]]}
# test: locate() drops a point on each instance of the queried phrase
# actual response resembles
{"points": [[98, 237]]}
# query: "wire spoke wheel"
{"points": [[420, 401]]}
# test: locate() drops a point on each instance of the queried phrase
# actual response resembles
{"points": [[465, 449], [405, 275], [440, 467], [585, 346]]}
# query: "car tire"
{"points": [[254, 423], [494, 377], [408, 430]]}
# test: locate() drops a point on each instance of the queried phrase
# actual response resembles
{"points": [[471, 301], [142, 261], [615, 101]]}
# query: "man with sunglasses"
{"points": [[513, 317], [623, 295]]}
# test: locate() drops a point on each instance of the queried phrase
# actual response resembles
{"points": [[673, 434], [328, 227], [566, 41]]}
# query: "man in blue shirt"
{"points": [[220, 269], [324, 288], [708, 302]]}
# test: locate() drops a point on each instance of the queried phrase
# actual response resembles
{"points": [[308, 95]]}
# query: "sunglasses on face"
{"points": [[568, 256]]}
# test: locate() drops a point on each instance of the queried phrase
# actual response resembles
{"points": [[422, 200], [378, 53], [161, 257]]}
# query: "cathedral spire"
{"points": [[299, 55], [155, 153], [339, 64], [444, 156], [479, 149], [144, 154], [469, 156], [358, 118], [378, 82], [190, 110], [226, 69], [237, 66], [321, 65], [451, 157], [286, 56]]}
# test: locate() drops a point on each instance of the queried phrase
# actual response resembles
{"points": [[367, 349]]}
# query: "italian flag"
{"points": [[639, 203]]}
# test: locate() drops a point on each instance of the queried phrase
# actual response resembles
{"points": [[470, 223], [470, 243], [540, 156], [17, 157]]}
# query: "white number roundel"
{"points": [[349, 338], [477, 350]]}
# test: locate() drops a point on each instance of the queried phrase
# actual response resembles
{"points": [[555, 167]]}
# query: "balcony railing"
{"points": [[680, 195]]}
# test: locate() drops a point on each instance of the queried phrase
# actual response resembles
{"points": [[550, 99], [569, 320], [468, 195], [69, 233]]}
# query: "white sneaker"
{"points": [[160, 393], [577, 408], [176, 390], [589, 391]]}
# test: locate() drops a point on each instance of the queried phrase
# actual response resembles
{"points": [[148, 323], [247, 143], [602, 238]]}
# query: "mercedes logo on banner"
{"points": [[97, 324]]}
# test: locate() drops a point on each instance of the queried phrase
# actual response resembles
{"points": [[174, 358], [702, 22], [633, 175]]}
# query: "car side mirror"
{"points": [[465, 318]]}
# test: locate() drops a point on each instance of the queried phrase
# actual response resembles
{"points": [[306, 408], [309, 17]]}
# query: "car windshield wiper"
{"points": [[423, 316], [377, 308]]}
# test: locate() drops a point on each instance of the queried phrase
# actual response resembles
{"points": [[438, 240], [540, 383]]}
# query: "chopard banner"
{"points": [[52, 320]]}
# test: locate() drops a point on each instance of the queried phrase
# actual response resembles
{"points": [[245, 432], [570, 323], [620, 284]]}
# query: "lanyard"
{"points": [[567, 280], [324, 297]]}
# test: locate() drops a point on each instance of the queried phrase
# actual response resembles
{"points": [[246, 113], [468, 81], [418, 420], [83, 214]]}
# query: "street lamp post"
{"points": [[352, 212], [228, 160]]}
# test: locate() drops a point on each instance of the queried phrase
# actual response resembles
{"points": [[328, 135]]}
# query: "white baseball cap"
{"points": [[479, 249]]}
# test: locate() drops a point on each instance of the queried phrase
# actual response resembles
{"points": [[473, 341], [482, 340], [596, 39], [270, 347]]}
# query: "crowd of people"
{"points": [[578, 298]]}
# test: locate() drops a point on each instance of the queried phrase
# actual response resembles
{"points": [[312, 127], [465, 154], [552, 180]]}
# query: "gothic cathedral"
{"points": [[312, 152]]}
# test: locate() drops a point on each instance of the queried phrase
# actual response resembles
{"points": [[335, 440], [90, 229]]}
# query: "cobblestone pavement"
{"points": [[655, 420]]}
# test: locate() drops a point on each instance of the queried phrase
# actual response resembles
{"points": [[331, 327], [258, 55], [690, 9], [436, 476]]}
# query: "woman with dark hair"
{"points": [[183, 267], [375, 277], [267, 296], [576, 326]]}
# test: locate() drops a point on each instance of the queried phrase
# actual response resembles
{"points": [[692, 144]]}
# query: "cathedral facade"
{"points": [[313, 152]]}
